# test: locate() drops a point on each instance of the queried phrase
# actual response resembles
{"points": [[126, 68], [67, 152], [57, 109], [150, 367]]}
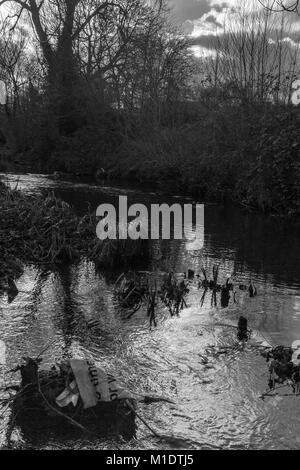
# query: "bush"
{"points": [[273, 183], [223, 150]]}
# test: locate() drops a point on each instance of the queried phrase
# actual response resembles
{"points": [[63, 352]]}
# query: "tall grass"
{"points": [[46, 230]]}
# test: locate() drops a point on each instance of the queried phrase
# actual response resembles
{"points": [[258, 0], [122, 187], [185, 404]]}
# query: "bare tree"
{"points": [[292, 6], [59, 26], [154, 69], [254, 60], [12, 61]]}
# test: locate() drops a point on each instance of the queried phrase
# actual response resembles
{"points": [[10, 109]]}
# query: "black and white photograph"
{"points": [[149, 228]]}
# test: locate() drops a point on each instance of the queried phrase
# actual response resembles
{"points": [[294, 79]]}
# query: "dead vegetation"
{"points": [[46, 231], [226, 291], [284, 369], [65, 399], [34, 406], [134, 291]]}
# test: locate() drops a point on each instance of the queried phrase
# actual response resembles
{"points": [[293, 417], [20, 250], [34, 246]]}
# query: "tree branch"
{"points": [[93, 14], [23, 4], [282, 5]]}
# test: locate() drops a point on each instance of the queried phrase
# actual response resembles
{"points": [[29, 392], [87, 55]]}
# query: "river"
{"points": [[217, 402]]}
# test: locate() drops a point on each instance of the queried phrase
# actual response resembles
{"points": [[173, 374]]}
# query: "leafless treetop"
{"points": [[292, 6]]}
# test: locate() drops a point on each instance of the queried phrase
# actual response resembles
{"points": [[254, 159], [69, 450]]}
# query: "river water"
{"points": [[216, 397]]}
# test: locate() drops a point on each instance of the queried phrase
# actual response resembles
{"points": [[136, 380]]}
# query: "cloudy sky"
{"points": [[203, 19]]}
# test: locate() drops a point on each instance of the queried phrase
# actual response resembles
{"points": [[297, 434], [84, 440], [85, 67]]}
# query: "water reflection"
{"points": [[217, 401]]}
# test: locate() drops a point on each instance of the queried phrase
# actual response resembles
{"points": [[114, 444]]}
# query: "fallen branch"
{"points": [[142, 419]]}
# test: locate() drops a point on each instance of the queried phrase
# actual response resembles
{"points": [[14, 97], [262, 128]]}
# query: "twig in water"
{"points": [[142, 419], [269, 394], [46, 349]]}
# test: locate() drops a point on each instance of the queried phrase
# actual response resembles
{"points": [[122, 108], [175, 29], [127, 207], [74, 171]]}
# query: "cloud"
{"points": [[201, 15], [203, 20], [190, 9], [220, 6], [188, 27], [208, 41], [211, 41], [202, 52], [294, 44], [207, 45], [212, 19]]}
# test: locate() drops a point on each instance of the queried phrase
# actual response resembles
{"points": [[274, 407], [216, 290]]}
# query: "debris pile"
{"points": [[10, 269], [243, 334], [131, 291], [284, 368], [173, 294], [75, 393], [134, 291], [224, 290]]}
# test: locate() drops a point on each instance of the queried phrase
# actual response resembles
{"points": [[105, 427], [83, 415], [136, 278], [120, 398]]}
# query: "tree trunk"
{"points": [[63, 76]]}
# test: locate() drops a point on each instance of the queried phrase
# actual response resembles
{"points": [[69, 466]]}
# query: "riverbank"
{"points": [[43, 231], [75, 310], [248, 155]]}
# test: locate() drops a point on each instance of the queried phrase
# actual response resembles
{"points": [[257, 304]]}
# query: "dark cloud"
{"points": [[292, 17], [188, 26], [211, 19], [220, 7], [190, 9], [294, 36], [209, 41]]}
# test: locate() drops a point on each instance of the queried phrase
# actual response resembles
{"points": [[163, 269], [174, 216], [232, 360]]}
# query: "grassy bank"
{"points": [[46, 231]]}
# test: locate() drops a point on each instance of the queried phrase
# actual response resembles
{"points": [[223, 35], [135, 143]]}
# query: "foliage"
{"points": [[274, 184]]}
